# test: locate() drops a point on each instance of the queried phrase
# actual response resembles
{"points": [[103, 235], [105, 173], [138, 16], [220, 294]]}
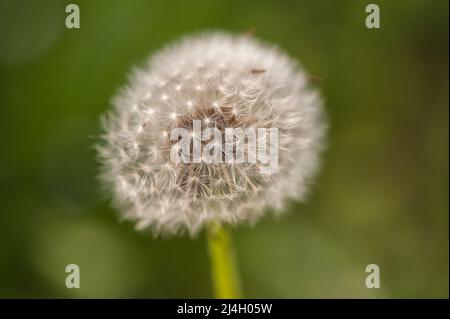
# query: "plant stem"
{"points": [[224, 272]]}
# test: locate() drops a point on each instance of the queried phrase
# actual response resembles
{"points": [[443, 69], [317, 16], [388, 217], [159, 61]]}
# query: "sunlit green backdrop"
{"points": [[382, 195]]}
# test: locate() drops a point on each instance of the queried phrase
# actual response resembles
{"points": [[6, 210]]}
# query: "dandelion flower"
{"points": [[224, 81]]}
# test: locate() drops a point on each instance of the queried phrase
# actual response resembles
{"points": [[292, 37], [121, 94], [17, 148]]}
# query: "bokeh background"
{"points": [[382, 196]]}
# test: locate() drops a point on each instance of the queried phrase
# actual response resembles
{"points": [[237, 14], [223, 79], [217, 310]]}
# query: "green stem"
{"points": [[224, 272]]}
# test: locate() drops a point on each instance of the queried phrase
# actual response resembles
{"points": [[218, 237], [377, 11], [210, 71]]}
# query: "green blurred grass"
{"points": [[382, 196]]}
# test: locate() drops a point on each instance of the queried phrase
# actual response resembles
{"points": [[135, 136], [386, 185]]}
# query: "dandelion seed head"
{"points": [[249, 84]]}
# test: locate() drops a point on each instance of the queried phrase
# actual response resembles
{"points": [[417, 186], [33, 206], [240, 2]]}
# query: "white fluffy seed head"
{"points": [[222, 80]]}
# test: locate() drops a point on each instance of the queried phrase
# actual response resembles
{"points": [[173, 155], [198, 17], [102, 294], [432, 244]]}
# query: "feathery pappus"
{"points": [[224, 81]]}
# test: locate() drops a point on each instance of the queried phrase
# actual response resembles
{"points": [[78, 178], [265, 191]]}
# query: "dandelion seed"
{"points": [[252, 85]]}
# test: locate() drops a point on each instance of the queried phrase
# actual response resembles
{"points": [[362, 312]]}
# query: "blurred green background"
{"points": [[382, 196]]}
